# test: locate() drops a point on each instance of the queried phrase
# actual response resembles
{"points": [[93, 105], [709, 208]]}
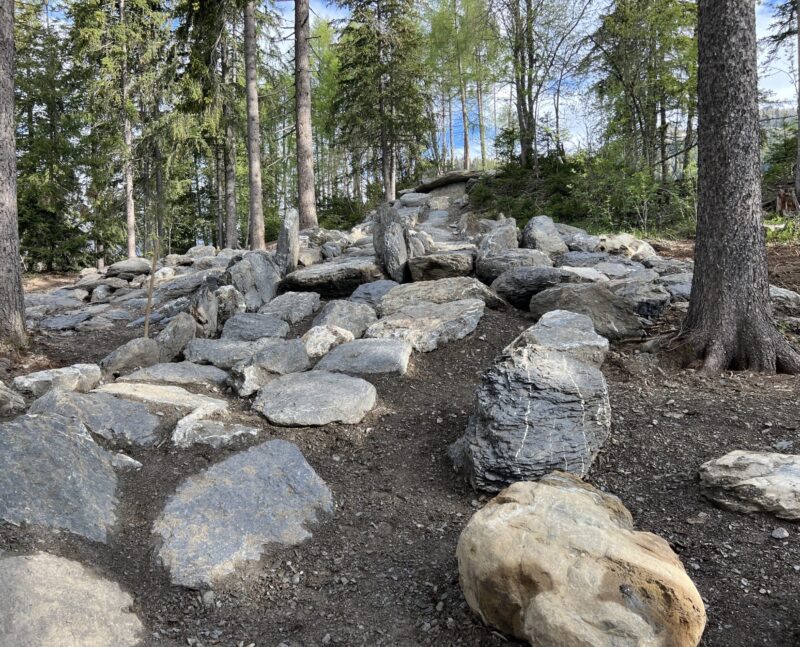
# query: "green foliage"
{"points": [[341, 212]]}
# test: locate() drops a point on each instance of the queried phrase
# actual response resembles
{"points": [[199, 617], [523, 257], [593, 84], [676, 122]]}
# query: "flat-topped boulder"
{"points": [[223, 353], [427, 326], [630, 271], [748, 482], [50, 601], [350, 315], [65, 321], [214, 433], [186, 284], [163, 395], [130, 267], [368, 356], [292, 307], [78, 377], [281, 358], [252, 326], [52, 474], [182, 373], [489, 266], [647, 299], [542, 405], [441, 265], [576, 239], [337, 278], [103, 414], [437, 292], [315, 398], [372, 293], [233, 512], [133, 354], [558, 562], [679, 286], [519, 284]]}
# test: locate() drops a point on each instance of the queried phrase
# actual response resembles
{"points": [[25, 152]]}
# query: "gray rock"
{"points": [[201, 251], [631, 271], [315, 398], [395, 252], [414, 199], [173, 260], [321, 339], [372, 293], [179, 373], [582, 259], [309, 256], [542, 406], [210, 432], [251, 326], [665, 266], [229, 302], [223, 353], [748, 482], [427, 326], [441, 291], [678, 285], [612, 316], [489, 267], [441, 265], [541, 233], [78, 377], [160, 395], [256, 276], [626, 245], [136, 353], [173, 339], [502, 237], [129, 267], [49, 601], [227, 515], [337, 278], [208, 262], [647, 299], [330, 250], [104, 415], [65, 321], [785, 302], [185, 285], [577, 240], [368, 356], [53, 474], [292, 307], [350, 315], [11, 402], [204, 309], [518, 285], [288, 249], [101, 294], [281, 358]]}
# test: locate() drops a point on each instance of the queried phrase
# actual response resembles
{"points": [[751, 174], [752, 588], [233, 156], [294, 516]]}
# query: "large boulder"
{"points": [[367, 357], [179, 373], [647, 299], [558, 563], [102, 414], [257, 277], [440, 291], [281, 358], [441, 265], [785, 302], [129, 268], [52, 474], [489, 266], [228, 515], [252, 326], [11, 402], [78, 377], [173, 339], [427, 326], [395, 252], [229, 302], [292, 307], [337, 278], [745, 481], [612, 316], [350, 315], [315, 398], [134, 354], [679, 286], [223, 353], [576, 239], [582, 259], [185, 285], [414, 199], [372, 293], [542, 405], [502, 237], [519, 284], [205, 310], [50, 601], [626, 245], [541, 233], [287, 253]]}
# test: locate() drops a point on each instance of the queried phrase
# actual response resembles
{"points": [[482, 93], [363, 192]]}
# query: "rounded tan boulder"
{"points": [[558, 563]]}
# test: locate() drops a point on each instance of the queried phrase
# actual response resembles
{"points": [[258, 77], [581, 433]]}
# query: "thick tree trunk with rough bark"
{"points": [[797, 154], [729, 323], [127, 137], [306, 197], [231, 222], [12, 304], [219, 181], [256, 227]]}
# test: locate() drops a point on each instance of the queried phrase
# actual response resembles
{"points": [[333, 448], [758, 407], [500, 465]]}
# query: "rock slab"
{"points": [[78, 377], [368, 356], [558, 563], [226, 515]]}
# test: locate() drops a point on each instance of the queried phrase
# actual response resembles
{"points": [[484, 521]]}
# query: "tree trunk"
{"points": [[219, 177], [481, 125], [450, 127], [306, 198], [662, 138], [462, 86], [729, 323], [256, 226], [797, 155], [231, 221], [12, 303], [127, 137], [688, 142]]}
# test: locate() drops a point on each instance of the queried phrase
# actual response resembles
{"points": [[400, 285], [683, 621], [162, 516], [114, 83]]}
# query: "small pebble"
{"points": [[780, 533]]}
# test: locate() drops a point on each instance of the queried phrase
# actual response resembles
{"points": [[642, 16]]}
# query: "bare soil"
{"points": [[381, 570]]}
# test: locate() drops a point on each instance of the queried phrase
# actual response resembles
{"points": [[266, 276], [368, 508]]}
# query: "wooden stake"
{"points": [[149, 307]]}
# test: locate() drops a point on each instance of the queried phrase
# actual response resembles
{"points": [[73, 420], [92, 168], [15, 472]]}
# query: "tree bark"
{"points": [[127, 136], [306, 197], [256, 227], [797, 155], [219, 168], [729, 323], [231, 221], [481, 125], [12, 303]]}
